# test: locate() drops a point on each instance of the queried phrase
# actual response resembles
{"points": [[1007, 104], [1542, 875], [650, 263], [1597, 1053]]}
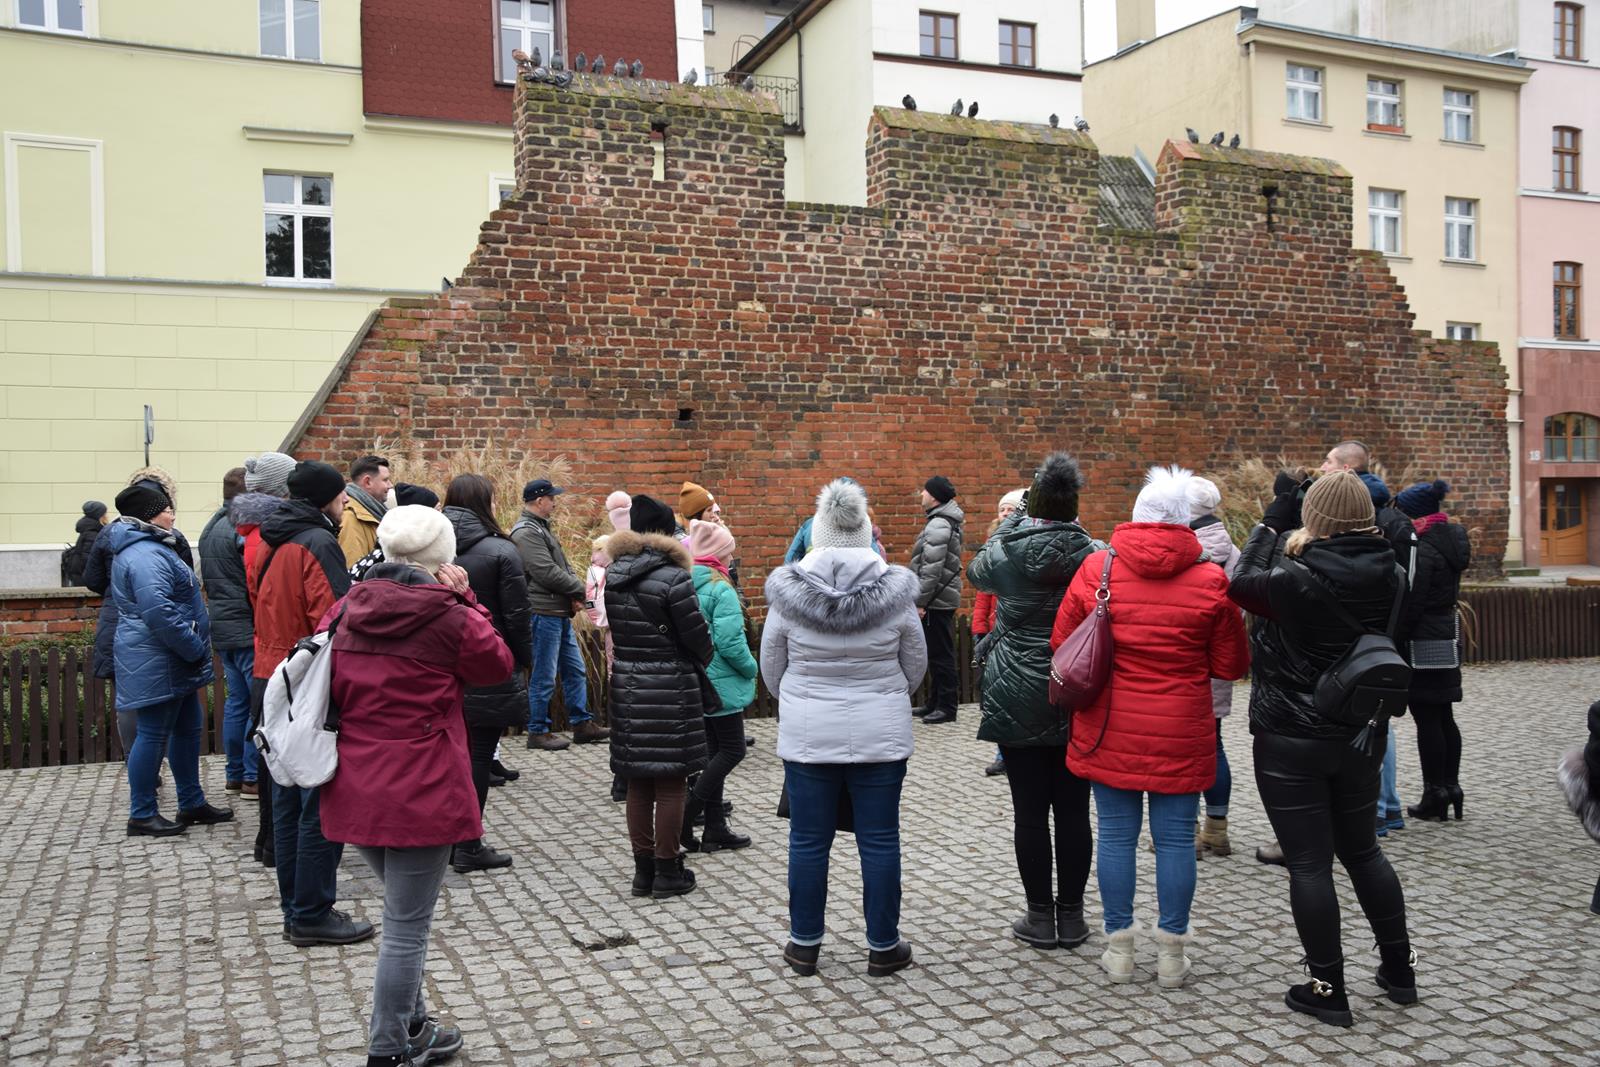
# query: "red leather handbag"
{"points": [[1082, 665]]}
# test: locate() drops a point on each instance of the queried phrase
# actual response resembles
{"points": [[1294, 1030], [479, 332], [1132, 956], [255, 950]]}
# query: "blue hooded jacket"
{"points": [[163, 642]]}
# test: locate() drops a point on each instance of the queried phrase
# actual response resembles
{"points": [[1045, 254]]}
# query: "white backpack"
{"points": [[299, 730]]}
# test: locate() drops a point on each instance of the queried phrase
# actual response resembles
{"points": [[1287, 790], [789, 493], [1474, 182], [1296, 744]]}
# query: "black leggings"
{"points": [[1321, 797], [481, 741], [1438, 742], [264, 834], [1041, 786], [725, 749]]}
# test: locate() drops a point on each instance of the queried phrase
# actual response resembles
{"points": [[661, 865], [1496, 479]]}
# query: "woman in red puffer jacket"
{"points": [[1151, 730]]}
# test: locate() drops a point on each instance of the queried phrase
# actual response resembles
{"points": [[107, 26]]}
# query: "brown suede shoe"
{"points": [[589, 732], [548, 742], [250, 791]]}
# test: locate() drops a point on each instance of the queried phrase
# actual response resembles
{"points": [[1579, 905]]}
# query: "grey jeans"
{"points": [[411, 878]]}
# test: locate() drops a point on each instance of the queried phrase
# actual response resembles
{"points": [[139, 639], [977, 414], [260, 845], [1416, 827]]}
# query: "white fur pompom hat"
{"points": [[1204, 497], [415, 534], [1165, 496], [841, 520]]}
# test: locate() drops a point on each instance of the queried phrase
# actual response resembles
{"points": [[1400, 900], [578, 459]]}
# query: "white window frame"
{"points": [[1385, 99], [52, 19], [526, 28], [9, 143], [1377, 214], [708, 18], [770, 20], [300, 212], [1462, 331], [1460, 223], [497, 182], [1300, 90], [1467, 113]]}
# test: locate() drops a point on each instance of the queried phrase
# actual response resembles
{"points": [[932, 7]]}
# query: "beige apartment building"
{"points": [[1429, 136]]}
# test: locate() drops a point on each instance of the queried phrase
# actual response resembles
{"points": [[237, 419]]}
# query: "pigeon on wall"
{"points": [[599, 66], [1055, 120], [749, 83], [581, 61], [556, 62], [1079, 124], [536, 59], [972, 112], [958, 107], [620, 70], [691, 77], [1194, 138], [908, 103], [1233, 142], [636, 70], [1216, 139]]}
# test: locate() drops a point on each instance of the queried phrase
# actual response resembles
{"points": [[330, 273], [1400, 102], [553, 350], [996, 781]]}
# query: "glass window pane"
{"points": [[540, 13], [510, 9], [316, 190], [279, 188], [510, 41], [274, 34], [1025, 36], [306, 42], [69, 14], [925, 23], [316, 242], [31, 12], [280, 245]]}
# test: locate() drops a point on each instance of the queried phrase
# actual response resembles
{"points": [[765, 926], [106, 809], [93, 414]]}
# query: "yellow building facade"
{"points": [[194, 223]]}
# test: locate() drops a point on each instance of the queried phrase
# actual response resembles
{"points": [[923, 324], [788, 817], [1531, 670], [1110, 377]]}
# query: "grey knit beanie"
{"points": [[841, 520], [268, 473]]}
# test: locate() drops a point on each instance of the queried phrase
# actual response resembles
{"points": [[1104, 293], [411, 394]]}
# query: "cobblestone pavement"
{"points": [[133, 951]]}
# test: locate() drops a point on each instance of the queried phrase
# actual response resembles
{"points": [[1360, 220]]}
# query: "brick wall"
{"points": [[975, 315], [31, 614]]}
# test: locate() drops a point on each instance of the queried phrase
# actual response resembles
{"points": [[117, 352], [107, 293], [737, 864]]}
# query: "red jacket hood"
{"points": [[1156, 549], [383, 609]]}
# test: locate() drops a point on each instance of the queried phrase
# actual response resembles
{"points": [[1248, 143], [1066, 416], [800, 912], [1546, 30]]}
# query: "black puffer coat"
{"points": [[1443, 552], [1297, 638], [1027, 565], [222, 568], [494, 571], [657, 719], [97, 578]]}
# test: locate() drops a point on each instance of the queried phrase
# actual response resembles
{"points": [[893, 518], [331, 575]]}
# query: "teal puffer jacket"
{"points": [[732, 669], [1026, 565]]}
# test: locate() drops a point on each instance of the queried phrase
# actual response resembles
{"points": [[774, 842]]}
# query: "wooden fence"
{"points": [[56, 712]]}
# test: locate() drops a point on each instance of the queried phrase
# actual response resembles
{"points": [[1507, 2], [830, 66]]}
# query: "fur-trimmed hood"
{"points": [[842, 590], [1573, 774], [252, 509], [634, 555]]}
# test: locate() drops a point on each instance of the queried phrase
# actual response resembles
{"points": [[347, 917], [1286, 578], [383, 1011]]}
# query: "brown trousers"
{"points": [[655, 815]]}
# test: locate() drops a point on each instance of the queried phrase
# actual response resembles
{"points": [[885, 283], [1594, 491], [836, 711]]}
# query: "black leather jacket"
{"points": [[1296, 637], [1443, 553]]}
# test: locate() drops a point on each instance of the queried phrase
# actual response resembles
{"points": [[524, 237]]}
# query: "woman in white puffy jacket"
{"points": [[843, 650]]}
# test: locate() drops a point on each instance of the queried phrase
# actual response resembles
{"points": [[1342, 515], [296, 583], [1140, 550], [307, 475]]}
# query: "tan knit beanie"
{"points": [[1336, 503]]}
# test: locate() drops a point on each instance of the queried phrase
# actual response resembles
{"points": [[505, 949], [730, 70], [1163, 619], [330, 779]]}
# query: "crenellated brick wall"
{"points": [[975, 315]]}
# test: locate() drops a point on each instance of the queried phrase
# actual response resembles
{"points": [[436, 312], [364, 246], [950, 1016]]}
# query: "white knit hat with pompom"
{"points": [[841, 520], [415, 534]]}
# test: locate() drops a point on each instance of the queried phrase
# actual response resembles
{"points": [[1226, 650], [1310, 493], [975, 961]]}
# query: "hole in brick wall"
{"points": [[658, 146], [686, 414], [1270, 191]]}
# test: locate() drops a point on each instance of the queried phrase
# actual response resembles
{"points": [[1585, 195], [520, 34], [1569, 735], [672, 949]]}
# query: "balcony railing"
{"points": [[787, 92]]}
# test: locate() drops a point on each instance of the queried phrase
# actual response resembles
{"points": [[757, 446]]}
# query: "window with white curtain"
{"points": [[524, 25], [1460, 228], [1384, 216], [291, 29]]}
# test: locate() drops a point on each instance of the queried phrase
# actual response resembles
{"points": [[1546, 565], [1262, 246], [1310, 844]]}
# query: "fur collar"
{"points": [[627, 543], [847, 611], [1573, 773], [252, 509]]}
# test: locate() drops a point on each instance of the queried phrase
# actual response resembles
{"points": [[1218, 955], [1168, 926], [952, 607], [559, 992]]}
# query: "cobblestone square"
{"points": [[139, 951]]}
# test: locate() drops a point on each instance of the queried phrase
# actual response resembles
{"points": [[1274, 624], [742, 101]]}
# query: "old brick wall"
{"points": [[31, 614], [975, 315]]}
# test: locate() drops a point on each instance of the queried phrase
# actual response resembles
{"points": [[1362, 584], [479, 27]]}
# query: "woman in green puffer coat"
{"points": [[1027, 564], [733, 674]]}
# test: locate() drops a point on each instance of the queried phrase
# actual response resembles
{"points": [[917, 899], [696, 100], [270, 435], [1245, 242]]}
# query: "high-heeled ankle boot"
{"points": [[1431, 808], [1456, 797], [1323, 997], [1396, 974]]}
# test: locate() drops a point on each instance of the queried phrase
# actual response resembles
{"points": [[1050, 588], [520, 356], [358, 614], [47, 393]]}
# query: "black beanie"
{"points": [[143, 500], [940, 489], [318, 484], [1056, 484], [405, 493], [648, 515], [93, 508]]}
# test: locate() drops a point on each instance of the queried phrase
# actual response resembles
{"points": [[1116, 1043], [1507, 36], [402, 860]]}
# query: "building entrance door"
{"points": [[1564, 524]]}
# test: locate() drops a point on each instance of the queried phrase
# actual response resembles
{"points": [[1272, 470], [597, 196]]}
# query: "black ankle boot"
{"points": [[1434, 804], [1037, 926], [693, 808], [718, 836], [673, 879], [1323, 997], [1071, 930], [477, 856], [802, 959], [1397, 975], [1457, 797], [644, 873]]}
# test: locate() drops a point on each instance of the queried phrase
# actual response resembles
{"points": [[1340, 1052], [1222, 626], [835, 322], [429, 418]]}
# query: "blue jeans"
{"points": [[172, 727], [1120, 813], [555, 651], [1221, 790], [237, 665], [814, 794], [1389, 790], [307, 862]]}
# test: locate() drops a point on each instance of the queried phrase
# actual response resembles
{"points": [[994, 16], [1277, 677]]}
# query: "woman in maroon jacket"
{"points": [[1151, 730], [408, 639]]}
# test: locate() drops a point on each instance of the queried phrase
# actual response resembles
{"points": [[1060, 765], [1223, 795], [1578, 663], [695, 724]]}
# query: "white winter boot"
{"points": [[1118, 956], [1172, 966]]}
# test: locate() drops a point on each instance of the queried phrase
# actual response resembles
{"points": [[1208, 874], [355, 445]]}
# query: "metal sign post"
{"points": [[149, 432]]}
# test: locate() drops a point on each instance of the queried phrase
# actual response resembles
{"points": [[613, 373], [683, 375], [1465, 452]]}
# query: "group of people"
{"points": [[449, 629]]}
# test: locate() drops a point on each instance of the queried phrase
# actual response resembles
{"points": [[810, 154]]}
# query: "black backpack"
{"points": [[74, 559], [1371, 682]]}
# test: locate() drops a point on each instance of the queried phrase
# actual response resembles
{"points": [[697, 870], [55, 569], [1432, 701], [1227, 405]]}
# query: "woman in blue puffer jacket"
{"points": [[163, 657]]}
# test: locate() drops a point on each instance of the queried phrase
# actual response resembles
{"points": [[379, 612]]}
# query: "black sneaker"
{"points": [[881, 964], [335, 928], [432, 1043]]}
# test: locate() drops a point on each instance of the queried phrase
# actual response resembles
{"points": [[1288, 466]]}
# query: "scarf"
{"points": [[1428, 522], [376, 508], [715, 564], [171, 538]]}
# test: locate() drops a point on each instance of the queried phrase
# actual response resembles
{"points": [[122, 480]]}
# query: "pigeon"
{"points": [[1055, 120], [562, 79], [620, 70], [599, 66], [637, 69], [580, 62], [556, 62], [1079, 124], [958, 107], [1216, 139], [540, 74], [536, 59], [691, 77], [749, 83], [1233, 142], [1194, 138], [908, 103], [972, 112]]}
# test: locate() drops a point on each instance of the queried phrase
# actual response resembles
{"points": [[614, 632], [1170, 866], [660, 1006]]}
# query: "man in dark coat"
{"points": [[936, 561], [74, 559], [232, 634]]}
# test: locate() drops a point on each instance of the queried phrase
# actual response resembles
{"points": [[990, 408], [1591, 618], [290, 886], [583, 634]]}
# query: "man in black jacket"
{"points": [[233, 635]]}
